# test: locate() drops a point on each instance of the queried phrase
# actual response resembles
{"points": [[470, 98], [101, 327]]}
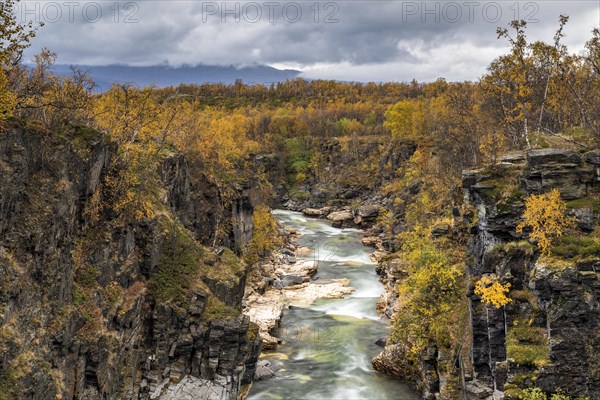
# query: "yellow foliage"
{"points": [[431, 296], [265, 236], [492, 291], [15, 37], [405, 120], [545, 215], [128, 114], [133, 188], [7, 97], [218, 139], [491, 145]]}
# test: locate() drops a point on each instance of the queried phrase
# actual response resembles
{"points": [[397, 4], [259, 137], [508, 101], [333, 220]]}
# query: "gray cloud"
{"points": [[375, 40]]}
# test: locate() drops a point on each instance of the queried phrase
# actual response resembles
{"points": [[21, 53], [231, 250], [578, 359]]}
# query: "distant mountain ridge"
{"points": [[163, 76]]}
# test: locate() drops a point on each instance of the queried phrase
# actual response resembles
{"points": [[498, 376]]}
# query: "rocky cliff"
{"points": [[98, 303], [548, 336]]}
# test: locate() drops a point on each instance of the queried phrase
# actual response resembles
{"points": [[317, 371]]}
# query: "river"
{"points": [[328, 345]]}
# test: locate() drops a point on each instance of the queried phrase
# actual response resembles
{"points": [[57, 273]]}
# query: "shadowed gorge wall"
{"points": [[548, 336], [100, 305]]}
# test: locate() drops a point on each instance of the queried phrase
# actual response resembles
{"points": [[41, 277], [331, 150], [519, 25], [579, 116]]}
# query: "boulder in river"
{"points": [[340, 218], [263, 370], [316, 212], [368, 211], [308, 293]]}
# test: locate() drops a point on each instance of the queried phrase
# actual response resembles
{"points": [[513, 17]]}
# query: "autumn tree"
{"points": [[547, 57], [546, 217], [592, 47], [136, 120], [405, 120], [431, 296], [7, 97], [265, 235], [127, 113], [455, 125], [54, 100], [540, 89], [14, 39], [14, 36], [492, 291], [508, 81]]}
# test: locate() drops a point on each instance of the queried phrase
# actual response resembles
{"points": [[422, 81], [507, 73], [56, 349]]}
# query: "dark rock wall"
{"points": [[196, 203], [55, 345], [561, 301]]}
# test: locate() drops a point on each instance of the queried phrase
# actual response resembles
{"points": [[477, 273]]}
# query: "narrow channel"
{"points": [[328, 345]]}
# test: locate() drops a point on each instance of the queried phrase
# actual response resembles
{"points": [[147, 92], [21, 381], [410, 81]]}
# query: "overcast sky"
{"points": [[345, 40]]}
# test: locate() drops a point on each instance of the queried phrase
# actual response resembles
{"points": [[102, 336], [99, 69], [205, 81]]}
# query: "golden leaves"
{"points": [[405, 120], [545, 215], [265, 236], [492, 291], [7, 97], [431, 294]]}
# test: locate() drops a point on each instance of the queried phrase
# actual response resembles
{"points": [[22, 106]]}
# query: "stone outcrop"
{"points": [[79, 283], [366, 214], [363, 216], [191, 196], [393, 361], [349, 173], [548, 336], [317, 212]]}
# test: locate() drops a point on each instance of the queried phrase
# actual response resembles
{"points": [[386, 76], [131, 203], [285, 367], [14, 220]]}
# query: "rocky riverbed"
{"points": [[285, 279], [323, 328]]}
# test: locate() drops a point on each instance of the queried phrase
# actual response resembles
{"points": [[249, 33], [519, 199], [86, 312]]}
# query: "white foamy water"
{"points": [[329, 345]]}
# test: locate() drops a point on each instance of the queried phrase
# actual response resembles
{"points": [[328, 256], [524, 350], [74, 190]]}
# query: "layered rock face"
{"points": [[81, 315], [549, 335]]}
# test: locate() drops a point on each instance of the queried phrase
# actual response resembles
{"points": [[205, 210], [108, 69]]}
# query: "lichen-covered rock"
{"points": [[550, 158], [570, 300], [191, 388], [393, 361]]}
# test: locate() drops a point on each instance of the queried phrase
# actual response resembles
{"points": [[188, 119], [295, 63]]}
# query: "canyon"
{"points": [[80, 316]]}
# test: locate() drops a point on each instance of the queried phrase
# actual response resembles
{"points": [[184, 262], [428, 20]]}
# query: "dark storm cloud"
{"points": [[376, 40]]}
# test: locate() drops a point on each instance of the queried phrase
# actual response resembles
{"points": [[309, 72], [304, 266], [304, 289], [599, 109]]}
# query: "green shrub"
{"points": [[592, 202], [216, 309], [178, 267], [538, 394], [515, 247]]}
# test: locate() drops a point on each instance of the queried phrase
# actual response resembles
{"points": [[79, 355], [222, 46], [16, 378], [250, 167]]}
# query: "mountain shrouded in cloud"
{"points": [[350, 40], [161, 76]]}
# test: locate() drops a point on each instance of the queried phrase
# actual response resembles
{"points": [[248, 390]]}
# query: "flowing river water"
{"points": [[328, 345]]}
